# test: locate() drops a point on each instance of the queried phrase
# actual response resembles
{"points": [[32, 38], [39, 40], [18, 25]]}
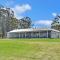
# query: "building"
{"points": [[33, 33]]}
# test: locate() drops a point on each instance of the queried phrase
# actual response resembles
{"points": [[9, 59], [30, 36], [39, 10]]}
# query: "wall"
{"points": [[54, 34]]}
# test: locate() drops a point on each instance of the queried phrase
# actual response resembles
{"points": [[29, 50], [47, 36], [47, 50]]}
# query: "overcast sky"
{"points": [[41, 12]]}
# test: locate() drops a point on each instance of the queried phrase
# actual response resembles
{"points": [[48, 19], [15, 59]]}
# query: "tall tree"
{"points": [[7, 21], [25, 22], [56, 23], [12, 24]]}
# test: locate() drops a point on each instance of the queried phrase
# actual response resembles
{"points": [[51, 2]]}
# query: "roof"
{"points": [[32, 29]]}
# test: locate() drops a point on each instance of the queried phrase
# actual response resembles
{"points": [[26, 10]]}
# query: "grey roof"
{"points": [[32, 29]]}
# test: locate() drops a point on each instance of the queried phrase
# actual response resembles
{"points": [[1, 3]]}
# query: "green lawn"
{"points": [[30, 49]]}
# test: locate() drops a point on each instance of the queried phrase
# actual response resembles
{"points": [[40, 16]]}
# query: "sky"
{"points": [[41, 12]]}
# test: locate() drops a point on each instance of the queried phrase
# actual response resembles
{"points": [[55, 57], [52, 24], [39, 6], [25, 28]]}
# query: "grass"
{"points": [[30, 49]]}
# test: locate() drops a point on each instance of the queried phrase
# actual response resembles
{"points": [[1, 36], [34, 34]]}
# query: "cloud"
{"points": [[20, 9], [44, 22], [54, 14]]}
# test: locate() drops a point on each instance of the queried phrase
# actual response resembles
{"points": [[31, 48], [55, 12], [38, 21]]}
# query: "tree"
{"points": [[56, 23], [12, 24], [7, 21], [25, 22], [2, 22]]}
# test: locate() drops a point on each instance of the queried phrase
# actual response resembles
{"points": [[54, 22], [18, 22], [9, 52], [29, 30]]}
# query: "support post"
{"points": [[47, 34], [25, 34], [19, 35], [39, 34]]}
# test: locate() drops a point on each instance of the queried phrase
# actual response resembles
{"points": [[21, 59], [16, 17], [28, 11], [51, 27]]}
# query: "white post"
{"points": [[39, 34], [19, 35], [47, 34], [25, 34], [31, 34]]}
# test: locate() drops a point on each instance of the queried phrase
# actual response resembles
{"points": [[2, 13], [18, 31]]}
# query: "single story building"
{"points": [[33, 33]]}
